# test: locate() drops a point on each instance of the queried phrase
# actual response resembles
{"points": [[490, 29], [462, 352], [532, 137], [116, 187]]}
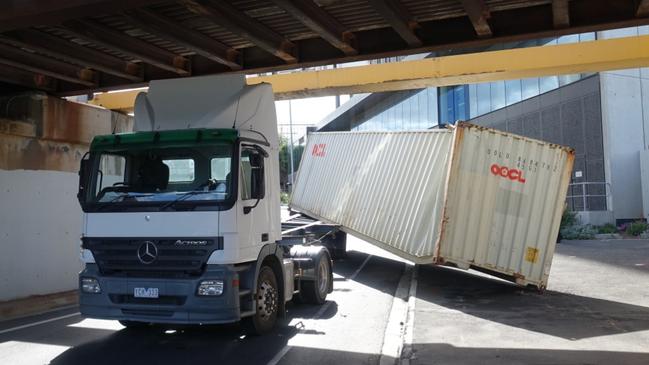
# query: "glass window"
{"points": [[568, 79], [513, 91], [450, 103], [220, 167], [530, 87], [112, 170], [251, 174], [473, 100], [150, 178], [423, 109], [399, 116], [180, 170], [484, 98], [585, 37], [498, 95], [433, 110], [570, 38], [246, 175], [461, 106], [548, 83], [413, 117], [443, 104]]}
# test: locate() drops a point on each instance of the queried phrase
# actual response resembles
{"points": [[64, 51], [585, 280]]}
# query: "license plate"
{"points": [[145, 292]]}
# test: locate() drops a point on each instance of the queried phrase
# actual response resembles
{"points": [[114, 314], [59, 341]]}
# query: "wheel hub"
{"points": [[266, 300]]}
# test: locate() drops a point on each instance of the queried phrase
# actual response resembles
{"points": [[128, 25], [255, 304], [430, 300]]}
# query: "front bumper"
{"points": [[177, 302]]}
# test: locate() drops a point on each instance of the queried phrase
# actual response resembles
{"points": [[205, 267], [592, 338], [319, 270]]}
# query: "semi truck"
{"points": [[181, 218]]}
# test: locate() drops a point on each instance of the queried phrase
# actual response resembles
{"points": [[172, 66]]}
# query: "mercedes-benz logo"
{"points": [[147, 252]]}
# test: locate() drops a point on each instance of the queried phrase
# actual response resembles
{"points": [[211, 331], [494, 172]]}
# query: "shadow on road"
{"points": [[225, 344], [559, 314], [209, 344]]}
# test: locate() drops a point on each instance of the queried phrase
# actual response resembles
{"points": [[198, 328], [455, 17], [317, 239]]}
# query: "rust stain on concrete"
{"points": [[40, 132]]}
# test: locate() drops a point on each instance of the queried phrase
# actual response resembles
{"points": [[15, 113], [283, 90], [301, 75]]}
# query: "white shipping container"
{"points": [[467, 197]]}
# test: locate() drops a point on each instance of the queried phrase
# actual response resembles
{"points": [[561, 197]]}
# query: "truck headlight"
{"points": [[90, 285], [210, 288]]}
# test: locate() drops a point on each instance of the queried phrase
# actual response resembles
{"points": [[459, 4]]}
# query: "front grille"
{"points": [[148, 312], [119, 257], [163, 300]]}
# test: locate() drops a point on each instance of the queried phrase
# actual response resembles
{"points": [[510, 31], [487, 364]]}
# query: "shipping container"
{"points": [[467, 196]]}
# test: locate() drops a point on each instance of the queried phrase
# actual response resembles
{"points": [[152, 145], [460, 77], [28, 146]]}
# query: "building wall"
{"points": [[403, 110], [570, 116], [42, 140], [625, 109]]}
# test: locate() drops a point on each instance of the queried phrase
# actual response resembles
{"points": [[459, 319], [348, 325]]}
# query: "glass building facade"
{"points": [[427, 108]]}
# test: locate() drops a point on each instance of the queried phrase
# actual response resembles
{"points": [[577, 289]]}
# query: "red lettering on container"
{"points": [[511, 174], [318, 150]]}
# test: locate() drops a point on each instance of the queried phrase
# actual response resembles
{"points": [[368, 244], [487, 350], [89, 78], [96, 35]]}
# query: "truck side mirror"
{"points": [[84, 170]]}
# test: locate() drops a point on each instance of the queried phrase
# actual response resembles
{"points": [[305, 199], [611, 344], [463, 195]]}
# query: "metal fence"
{"points": [[587, 196]]}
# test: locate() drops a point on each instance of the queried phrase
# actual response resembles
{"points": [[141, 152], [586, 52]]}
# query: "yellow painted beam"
{"points": [[594, 56], [117, 100]]}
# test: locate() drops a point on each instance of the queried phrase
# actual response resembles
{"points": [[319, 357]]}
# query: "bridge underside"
{"points": [[72, 47]]}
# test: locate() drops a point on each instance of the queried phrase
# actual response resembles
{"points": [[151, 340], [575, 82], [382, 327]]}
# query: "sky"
{"points": [[308, 111], [305, 112]]}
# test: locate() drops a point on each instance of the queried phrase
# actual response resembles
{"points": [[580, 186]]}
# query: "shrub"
{"points": [[636, 228], [607, 228], [284, 197], [568, 219], [578, 232]]}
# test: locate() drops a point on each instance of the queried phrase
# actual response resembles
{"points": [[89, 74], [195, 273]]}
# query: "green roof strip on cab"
{"points": [[174, 138]]}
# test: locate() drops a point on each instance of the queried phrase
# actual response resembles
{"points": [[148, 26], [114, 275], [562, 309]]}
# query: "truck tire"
{"points": [[266, 303], [133, 324], [315, 291]]}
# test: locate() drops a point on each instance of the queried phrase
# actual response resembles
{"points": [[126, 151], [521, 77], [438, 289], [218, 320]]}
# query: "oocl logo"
{"points": [[318, 150], [511, 174]]}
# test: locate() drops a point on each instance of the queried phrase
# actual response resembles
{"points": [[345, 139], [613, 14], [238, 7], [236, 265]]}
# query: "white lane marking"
{"points": [[39, 323], [393, 338], [410, 327], [276, 359]]}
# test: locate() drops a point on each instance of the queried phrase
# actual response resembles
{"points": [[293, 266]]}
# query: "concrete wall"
{"points": [[625, 117], [42, 140], [40, 224]]}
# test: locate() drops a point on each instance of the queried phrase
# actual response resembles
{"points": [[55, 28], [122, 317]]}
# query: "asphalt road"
{"points": [[349, 327], [595, 311]]}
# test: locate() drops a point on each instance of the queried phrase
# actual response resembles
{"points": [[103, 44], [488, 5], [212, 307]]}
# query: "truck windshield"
{"points": [[161, 178]]}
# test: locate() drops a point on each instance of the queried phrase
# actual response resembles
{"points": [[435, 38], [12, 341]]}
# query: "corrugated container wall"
{"points": [[468, 196]]}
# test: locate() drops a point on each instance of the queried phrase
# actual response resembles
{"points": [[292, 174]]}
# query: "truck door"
{"points": [[254, 220]]}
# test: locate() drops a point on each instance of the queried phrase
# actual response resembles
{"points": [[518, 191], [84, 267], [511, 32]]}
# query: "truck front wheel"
{"points": [[266, 303]]}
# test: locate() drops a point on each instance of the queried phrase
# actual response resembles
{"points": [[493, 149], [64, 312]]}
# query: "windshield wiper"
{"points": [[116, 199], [185, 196]]}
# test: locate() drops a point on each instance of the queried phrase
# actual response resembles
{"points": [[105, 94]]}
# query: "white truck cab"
{"points": [[182, 217]]}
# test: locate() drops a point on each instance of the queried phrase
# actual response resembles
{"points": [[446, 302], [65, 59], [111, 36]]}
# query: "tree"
{"points": [[285, 162]]}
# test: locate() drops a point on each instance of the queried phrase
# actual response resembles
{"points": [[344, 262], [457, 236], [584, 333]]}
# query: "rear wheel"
{"points": [[315, 292], [266, 303]]}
